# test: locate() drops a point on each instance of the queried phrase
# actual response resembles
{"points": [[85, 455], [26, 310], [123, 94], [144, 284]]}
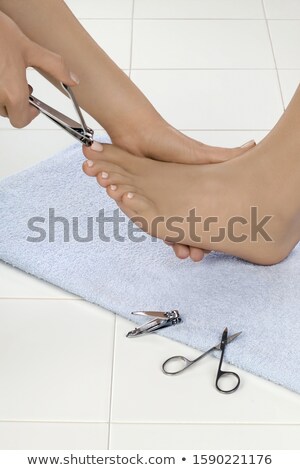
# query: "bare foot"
{"points": [[161, 141], [238, 201]]}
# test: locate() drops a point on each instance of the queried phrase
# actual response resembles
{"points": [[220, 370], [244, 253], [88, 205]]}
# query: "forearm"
{"points": [[105, 92]]}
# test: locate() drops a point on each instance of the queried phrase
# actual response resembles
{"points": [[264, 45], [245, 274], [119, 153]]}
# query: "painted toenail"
{"points": [[89, 163], [104, 175], [113, 187], [96, 146], [130, 195], [248, 144]]}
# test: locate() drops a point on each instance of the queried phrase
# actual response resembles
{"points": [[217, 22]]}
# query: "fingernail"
{"points": [[130, 195], [248, 144], [113, 187], [97, 146], [74, 78], [89, 163], [104, 175]]}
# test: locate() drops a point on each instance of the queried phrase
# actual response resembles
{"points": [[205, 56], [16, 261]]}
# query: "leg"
{"points": [[267, 178], [105, 92]]}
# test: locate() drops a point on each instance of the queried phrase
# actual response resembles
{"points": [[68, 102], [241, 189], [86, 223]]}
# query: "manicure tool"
{"points": [[80, 131], [187, 362], [160, 320]]}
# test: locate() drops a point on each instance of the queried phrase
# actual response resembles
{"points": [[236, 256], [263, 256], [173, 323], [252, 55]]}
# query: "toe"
{"points": [[143, 208], [93, 168], [196, 254], [116, 191], [135, 201], [106, 179], [220, 154], [181, 251], [113, 154]]}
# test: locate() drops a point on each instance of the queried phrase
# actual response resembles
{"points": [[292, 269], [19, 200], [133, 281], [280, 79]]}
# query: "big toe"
{"points": [[209, 154]]}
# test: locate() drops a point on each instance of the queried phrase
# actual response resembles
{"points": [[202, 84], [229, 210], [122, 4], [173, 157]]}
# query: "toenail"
{"points": [[113, 187], [130, 195], [104, 175], [96, 146], [89, 163], [248, 144]]}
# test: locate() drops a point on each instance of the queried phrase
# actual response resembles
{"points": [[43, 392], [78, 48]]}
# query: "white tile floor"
{"points": [[221, 71]]}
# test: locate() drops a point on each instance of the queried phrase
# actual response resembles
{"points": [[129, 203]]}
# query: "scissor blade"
{"points": [[232, 337], [229, 339]]}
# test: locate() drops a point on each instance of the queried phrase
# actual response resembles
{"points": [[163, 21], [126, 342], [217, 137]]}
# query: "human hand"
{"points": [[17, 52]]}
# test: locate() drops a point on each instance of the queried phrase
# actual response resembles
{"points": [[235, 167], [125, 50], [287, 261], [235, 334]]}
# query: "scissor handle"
{"points": [[185, 363], [221, 374]]}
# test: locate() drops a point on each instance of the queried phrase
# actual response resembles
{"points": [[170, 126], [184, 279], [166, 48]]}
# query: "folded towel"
{"points": [[123, 275]]}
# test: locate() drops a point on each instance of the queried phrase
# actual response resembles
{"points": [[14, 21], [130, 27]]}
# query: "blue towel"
{"points": [[124, 275]]}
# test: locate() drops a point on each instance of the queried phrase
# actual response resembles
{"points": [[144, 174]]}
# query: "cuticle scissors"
{"points": [[80, 131], [220, 346]]}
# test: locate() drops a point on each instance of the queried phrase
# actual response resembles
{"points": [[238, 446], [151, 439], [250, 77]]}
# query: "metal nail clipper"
{"points": [[160, 320], [78, 130]]}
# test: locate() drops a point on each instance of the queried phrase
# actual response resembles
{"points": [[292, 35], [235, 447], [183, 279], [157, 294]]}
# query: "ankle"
{"points": [[141, 140]]}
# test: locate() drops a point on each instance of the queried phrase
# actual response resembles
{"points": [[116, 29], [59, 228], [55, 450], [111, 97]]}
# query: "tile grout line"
{"points": [[115, 323], [131, 37], [111, 384], [185, 19], [273, 53], [44, 298], [151, 423]]}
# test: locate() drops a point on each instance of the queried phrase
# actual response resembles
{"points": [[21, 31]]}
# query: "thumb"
{"points": [[51, 63]]}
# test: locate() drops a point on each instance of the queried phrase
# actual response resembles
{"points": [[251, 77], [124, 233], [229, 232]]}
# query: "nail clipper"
{"points": [[80, 131], [160, 320]]}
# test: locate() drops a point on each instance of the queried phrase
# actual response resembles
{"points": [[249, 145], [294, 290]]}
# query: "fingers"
{"points": [[15, 104], [51, 63]]}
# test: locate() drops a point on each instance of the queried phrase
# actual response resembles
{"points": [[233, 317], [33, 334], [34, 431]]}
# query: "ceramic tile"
{"points": [[16, 284], [198, 9], [285, 37], [143, 394], [213, 99], [201, 44], [187, 436], [55, 361], [42, 436], [289, 82], [277, 9], [31, 147], [101, 8]]}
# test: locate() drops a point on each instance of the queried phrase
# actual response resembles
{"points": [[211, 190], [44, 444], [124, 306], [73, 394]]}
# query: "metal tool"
{"points": [[160, 320], [78, 130], [187, 362]]}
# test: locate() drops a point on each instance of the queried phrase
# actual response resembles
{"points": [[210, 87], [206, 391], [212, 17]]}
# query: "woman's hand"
{"points": [[17, 52]]}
